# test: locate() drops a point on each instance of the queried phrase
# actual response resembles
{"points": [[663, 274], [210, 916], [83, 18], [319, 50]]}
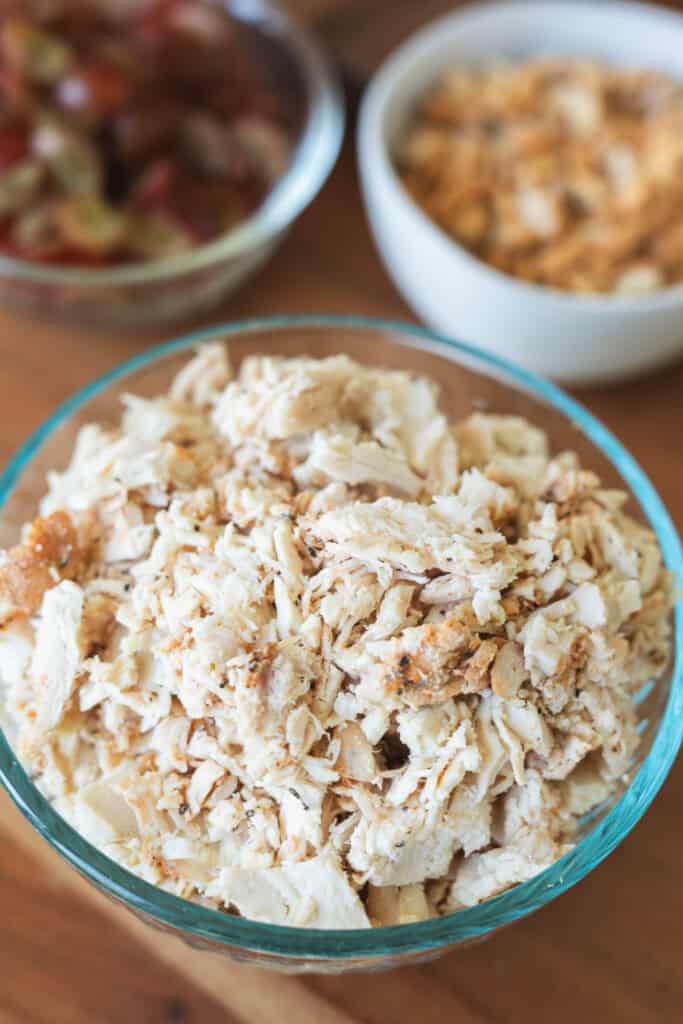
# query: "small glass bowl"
{"points": [[163, 291], [469, 380]]}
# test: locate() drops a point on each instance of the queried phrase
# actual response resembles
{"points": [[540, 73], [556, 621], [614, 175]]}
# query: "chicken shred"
{"points": [[289, 643]]}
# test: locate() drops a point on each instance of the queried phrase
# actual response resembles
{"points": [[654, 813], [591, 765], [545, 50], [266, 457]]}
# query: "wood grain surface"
{"points": [[609, 950]]}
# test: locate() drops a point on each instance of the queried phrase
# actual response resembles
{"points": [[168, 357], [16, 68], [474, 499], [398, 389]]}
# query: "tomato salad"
{"points": [[129, 131]]}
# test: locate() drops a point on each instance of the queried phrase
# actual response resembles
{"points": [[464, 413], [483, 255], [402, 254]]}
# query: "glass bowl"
{"points": [[162, 291], [469, 379]]}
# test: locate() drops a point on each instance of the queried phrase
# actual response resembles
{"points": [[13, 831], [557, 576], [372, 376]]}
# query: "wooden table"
{"points": [[609, 950]]}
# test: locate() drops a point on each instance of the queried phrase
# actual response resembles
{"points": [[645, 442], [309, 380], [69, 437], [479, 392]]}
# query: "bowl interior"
{"points": [[289, 64], [275, 64], [469, 382]]}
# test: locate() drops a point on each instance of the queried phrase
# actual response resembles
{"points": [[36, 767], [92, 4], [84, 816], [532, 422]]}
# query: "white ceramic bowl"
{"points": [[574, 338]]}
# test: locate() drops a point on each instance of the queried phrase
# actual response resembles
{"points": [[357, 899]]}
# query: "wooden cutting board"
{"points": [[610, 950]]}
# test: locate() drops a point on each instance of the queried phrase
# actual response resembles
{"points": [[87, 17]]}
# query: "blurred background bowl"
{"points": [[143, 294], [574, 338], [469, 380]]}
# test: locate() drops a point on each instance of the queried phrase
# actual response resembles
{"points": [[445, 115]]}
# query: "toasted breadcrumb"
{"points": [[291, 644], [563, 172], [50, 553]]}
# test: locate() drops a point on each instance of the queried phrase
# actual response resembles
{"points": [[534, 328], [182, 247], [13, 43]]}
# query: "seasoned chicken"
{"points": [[289, 643]]}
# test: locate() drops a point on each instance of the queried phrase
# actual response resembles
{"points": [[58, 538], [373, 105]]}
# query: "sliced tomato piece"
{"points": [[152, 24], [13, 145], [15, 92], [156, 183], [96, 89], [144, 130]]}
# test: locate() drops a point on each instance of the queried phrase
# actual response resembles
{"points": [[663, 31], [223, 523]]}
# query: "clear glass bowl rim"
{"points": [[199, 923], [315, 154]]}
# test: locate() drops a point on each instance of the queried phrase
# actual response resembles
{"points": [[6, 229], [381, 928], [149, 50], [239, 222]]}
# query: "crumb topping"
{"points": [[562, 172]]}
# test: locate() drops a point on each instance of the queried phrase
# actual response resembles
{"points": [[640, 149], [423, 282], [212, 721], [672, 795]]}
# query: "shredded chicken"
{"points": [[49, 554], [294, 646]]}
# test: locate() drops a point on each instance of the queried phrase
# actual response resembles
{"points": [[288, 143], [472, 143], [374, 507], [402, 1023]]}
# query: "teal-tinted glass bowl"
{"points": [[468, 379]]}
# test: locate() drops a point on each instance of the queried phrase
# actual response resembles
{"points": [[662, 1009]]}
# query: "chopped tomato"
{"points": [[122, 129], [156, 183], [97, 89], [13, 145]]}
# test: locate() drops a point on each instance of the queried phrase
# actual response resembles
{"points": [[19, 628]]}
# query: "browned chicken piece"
{"points": [[50, 553]]}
